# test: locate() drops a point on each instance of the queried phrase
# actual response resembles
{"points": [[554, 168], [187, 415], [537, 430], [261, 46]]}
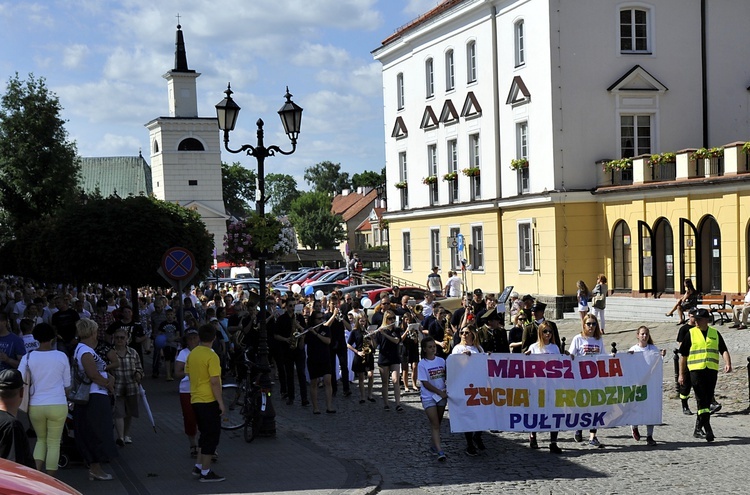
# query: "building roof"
{"points": [[124, 175], [442, 7], [349, 205]]}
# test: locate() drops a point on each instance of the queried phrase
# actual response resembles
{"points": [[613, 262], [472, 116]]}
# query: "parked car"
{"points": [[363, 287], [416, 292], [21, 480], [326, 287]]}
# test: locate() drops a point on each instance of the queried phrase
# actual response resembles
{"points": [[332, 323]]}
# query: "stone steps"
{"points": [[636, 309]]}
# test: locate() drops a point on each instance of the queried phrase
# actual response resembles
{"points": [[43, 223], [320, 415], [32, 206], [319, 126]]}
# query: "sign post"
{"points": [[178, 268]]}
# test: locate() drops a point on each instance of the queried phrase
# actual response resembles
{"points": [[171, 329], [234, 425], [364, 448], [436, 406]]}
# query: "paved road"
{"points": [[363, 449]]}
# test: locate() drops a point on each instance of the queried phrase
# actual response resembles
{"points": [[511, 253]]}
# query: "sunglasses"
{"points": [[390, 319], [465, 333], [590, 323], [546, 332]]}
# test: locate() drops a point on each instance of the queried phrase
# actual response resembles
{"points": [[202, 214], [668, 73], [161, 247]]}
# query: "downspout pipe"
{"points": [[704, 74], [496, 117]]}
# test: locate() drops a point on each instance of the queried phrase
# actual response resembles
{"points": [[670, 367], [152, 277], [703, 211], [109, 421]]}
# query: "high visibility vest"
{"points": [[704, 351]]}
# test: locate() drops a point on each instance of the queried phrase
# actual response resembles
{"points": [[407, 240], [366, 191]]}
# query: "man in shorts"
{"points": [[204, 369]]}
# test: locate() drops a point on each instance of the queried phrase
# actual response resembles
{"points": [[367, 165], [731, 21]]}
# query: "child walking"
{"points": [[645, 344], [431, 373]]}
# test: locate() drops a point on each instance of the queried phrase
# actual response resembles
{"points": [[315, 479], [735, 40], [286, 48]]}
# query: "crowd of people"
{"points": [[313, 343]]}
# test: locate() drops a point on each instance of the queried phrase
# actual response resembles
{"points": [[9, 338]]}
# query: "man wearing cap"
{"points": [[14, 444], [685, 388], [434, 282], [492, 336], [530, 331], [699, 356], [526, 303], [477, 303]]}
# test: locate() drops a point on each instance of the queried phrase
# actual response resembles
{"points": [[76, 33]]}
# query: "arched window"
{"points": [[471, 61], [400, 91], [450, 74], [621, 257], [429, 77], [156, 146], [519, 43], [635, 30], [190, 144], [709, 256]]}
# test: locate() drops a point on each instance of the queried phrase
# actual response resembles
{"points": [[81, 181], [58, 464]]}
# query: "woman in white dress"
{"points": [[545, 344]]}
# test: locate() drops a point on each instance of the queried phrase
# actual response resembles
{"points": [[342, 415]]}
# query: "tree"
{"points": [[368, 178], [316, 227], [39, 166], [326, 177], [99, 241], [238, 187], [281, 190]]}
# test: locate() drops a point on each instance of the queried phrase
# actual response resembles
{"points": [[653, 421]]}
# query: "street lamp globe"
{"points": [[227, 111], [291, 117]]}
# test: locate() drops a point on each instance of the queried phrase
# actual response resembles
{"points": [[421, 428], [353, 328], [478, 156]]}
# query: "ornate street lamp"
{"points": [[227, 112]]}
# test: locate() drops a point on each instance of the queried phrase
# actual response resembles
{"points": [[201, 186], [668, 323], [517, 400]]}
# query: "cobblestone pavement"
{"points": [[362, 449]]}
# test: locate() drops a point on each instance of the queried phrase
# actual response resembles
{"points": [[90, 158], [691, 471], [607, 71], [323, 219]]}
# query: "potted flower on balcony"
{"points": [[430, 179], [519, 163], [707, 153], [258, 237], [471, 171], [621, 164], [450, 177], [661, 159], [401, 185]]}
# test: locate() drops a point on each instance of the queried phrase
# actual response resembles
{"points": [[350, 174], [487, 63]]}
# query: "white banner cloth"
{"points": [[548, 392]]}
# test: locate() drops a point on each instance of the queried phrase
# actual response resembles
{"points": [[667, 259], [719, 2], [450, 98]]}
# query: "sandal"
{"points": [[399, 408]]}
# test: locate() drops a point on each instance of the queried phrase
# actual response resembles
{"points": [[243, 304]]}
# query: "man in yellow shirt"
{"points": [[204, 369]]}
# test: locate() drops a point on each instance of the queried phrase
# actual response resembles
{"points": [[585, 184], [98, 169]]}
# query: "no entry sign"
{"points": [[178, 263]]}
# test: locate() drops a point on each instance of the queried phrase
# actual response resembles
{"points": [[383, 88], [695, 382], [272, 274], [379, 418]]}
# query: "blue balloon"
{"points": [[309, 291], [160, 341]]}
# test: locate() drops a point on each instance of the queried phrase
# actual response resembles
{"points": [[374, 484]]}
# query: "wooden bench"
{"points": [[737, 300], [717, 306]]}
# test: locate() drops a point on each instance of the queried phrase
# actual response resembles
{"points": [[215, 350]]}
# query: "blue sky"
{"points": [[105, 60]]}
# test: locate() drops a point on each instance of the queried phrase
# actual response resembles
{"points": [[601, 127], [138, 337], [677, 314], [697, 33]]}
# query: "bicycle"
{"points": [[252, 404]]}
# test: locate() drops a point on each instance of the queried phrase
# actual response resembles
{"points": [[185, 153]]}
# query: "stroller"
{"points": [[68, 449]]}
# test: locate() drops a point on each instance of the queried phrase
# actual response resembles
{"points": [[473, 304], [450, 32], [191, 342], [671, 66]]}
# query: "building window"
{"points": [[432, 171], [407, 250], [477, 249], [621, 256], [192, 182], [455, 255], [634, 27], [400, 91], [522, 151], [635, 135], [476, 189], [403, 175], [435, 247], [450, 74], [453, 168], [429, 75], [190, 144], [471, 62], [525, 247], [520, 53]]}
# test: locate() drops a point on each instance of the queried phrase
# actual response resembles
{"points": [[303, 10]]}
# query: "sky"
{"points": [[105, 60]]}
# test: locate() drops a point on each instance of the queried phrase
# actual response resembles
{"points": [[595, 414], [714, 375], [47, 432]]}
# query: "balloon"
{"points": [[296, 288], [160, 341], [309, 291], [366, 302], [319, 295]]}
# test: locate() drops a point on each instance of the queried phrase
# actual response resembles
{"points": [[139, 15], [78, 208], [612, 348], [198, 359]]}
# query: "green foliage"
{"points": [[316, 227], [326, 177], [109, 240], [658, 159], [39, 167], [708, 153], [368, 178], [281, 190], [621, 164], [238, 187]]}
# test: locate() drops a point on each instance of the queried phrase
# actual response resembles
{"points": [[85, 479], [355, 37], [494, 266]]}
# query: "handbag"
{"points": [[80, 386], [26, 387], [598, 301]]}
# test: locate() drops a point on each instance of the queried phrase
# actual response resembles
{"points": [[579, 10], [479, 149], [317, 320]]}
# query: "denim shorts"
{"points": [[430, 402]]}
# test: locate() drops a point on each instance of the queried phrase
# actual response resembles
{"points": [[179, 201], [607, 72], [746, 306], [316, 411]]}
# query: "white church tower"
{"points": [[186, 150]]}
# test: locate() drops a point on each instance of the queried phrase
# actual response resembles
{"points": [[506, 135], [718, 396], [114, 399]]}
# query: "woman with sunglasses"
{"points": [[387, 339], [645, 344], [469, 345], [545, 344], [588, 343]]}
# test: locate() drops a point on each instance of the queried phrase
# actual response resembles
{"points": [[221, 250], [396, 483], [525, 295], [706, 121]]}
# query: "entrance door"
{"points": [[709, 256], [646, 276], [663, 244]]}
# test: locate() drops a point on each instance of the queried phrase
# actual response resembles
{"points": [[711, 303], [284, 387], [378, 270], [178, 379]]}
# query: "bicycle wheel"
{"points": [[233, 417]]}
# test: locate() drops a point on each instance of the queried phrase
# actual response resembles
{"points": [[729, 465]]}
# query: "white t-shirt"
{"points": [[454, 286], [461, 349], [185, 382], [432, 372], [550, 348], [30, 343], [50, 375], [586, 346], [649, 348], [100, 366]]}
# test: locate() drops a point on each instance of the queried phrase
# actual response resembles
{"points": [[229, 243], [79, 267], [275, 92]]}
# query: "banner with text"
{"points": [[547, 392]]}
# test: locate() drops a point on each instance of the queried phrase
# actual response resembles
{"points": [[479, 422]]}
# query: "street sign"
{"points": [[178, 263], [452, 242], [460, 243]]}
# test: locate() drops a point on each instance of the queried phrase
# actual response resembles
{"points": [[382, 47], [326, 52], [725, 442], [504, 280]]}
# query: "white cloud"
{"points": [[73, 55], [316, 55], [419, 7]]}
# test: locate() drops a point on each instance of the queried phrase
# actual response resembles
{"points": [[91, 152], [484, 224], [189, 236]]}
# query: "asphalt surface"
{"points": [[363, 449]]}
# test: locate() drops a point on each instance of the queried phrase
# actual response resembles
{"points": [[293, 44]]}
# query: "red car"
{"points": [[416, 292], [16, 479]]}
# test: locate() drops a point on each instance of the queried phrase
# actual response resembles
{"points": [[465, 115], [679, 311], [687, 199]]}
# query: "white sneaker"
{"points": [[127, 440]]}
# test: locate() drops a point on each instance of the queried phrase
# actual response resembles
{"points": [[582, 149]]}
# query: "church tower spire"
{"points": [[183, 101]]}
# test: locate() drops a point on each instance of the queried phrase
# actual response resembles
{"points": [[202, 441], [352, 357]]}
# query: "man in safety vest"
{"points": [[699, 355]]}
